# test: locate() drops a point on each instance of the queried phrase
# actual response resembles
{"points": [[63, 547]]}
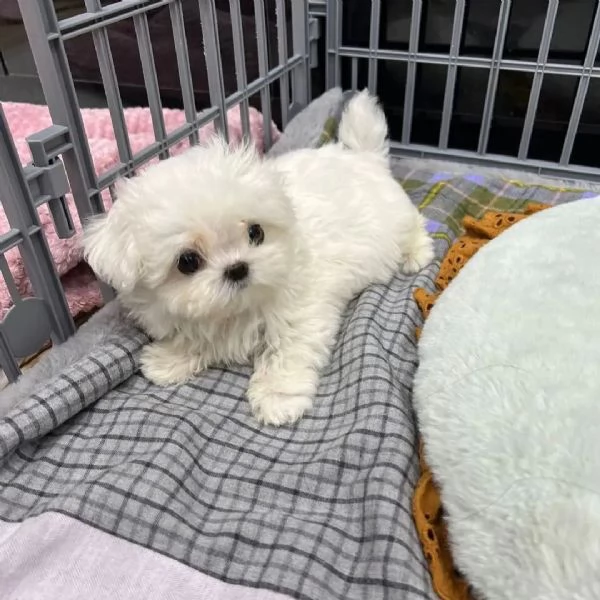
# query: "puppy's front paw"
{"points": [[162, 367], [279, 409], [275, 408], [419, 256]]}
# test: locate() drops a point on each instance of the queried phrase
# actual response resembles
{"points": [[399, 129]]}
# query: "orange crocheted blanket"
{"points": [[427, 504]]}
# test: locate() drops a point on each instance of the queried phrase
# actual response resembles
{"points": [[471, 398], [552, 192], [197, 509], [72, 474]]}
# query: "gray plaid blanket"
{"points": [[102, 471]]}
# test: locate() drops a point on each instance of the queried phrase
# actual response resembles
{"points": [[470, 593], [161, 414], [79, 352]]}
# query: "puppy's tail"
{"points": [[363, 126]]}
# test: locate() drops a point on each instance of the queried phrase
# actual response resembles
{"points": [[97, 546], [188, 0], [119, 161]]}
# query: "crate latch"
{"points": [[47, 178]]}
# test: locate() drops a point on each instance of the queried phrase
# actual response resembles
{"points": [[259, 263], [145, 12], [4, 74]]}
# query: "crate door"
{"points": [[34, 308]]}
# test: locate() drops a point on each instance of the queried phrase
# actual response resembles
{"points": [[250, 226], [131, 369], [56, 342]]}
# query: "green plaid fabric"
{"points": [[329, 132], [445, 198]]}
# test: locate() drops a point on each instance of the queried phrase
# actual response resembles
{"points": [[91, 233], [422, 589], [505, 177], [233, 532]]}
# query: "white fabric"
{"points": [[73, 561], [508, 400]]}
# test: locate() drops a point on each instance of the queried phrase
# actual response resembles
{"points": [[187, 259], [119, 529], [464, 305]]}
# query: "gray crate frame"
{"points": [[336, 50], [62, 159]]}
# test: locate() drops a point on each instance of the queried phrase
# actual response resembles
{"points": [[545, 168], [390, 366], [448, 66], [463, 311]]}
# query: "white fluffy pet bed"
{"points": [[508, 400]]}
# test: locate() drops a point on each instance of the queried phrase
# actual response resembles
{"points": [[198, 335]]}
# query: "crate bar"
{"points": [[153, 150], [334, 42], [584, 81], [9, 364], [282, 50], [354, 74], [490, 96], [52, 66], [263, 69], [111, 86], [273, 75], [540, 167], [109, 15], [214, 67], [373, 45], [142, 32], [113, 193], [301, 92], [22, 215], [317, 8], [449, 93], [9, 280], [203, 118], [240, 63], [477, 62], [183, 67], [536, 88], [411, 70], [10, 240]]}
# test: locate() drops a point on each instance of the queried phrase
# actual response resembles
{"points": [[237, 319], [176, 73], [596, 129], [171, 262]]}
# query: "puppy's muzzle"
{"points": [[237, 273]]}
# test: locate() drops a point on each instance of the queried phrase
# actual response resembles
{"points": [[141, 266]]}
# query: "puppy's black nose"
{"points": [[237, 272]]}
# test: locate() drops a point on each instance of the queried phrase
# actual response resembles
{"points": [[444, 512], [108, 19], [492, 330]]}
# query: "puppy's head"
{"points": [[209, 233]]}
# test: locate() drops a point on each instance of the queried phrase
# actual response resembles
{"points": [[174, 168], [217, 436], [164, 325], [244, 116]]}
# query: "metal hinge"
{"points": [[47, 178]]}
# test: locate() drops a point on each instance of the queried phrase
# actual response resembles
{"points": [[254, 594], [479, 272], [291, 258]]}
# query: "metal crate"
{"points": [[474, 52]]}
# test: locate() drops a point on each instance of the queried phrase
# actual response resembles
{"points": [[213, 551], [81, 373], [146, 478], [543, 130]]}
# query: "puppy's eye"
{"points": [[256, 235], [189, 262]]}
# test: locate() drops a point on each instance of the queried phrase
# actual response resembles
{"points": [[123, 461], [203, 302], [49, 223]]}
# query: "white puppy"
{"points": [[224, 257]]}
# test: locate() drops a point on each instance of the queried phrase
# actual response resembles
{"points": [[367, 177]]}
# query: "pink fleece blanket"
{"points": [[82, 291]]}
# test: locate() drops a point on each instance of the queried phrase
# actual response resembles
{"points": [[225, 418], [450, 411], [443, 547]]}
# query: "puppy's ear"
{"points": [[110, 247]]}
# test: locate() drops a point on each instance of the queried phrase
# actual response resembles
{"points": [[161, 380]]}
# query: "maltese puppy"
{"points": [[225, 257]]}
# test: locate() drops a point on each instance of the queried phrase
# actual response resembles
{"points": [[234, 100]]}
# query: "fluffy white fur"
{"points": [[334, 220], [508, 400]]}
